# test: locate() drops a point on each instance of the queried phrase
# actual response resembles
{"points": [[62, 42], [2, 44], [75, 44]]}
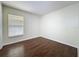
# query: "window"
{"points": [[15, 25]]}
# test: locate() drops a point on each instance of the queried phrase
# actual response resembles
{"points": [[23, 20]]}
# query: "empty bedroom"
{"points": [[39, 28]]}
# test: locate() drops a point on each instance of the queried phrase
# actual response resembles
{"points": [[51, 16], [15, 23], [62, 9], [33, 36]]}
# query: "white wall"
{"points": [[0, 25], [62, 25], [31, 28]]}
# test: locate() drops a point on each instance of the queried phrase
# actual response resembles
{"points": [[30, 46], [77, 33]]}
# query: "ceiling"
{"points": [[39, 7]]}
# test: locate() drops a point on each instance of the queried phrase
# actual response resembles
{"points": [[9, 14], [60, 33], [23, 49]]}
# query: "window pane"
{"points": [[15, 25]]}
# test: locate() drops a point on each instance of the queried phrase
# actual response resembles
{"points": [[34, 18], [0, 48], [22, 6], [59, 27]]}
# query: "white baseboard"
{"points": [[20, 40], [0, 47], [63, 43], [44, 37], [60, 41], [78, 52]]}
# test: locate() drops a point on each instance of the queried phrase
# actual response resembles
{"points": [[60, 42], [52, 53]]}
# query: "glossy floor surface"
{"points": [[38, 47]]}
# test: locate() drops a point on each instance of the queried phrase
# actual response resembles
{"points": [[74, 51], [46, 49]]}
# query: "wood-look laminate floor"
{"points": [[38, 47]]}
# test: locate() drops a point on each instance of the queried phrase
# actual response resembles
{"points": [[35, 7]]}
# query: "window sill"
{"points": [[15, 36]]}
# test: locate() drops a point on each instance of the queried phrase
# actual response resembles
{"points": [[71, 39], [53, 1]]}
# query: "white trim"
{"points": [[78, 52], [1, 47], [61, 42], [1, 37], [64, 43], [44, 37], [21, 40]]}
